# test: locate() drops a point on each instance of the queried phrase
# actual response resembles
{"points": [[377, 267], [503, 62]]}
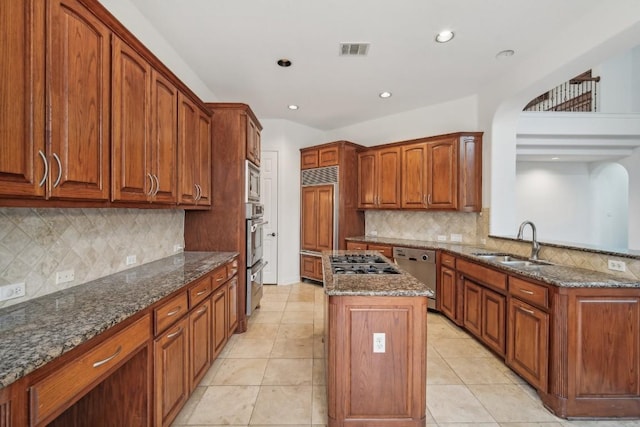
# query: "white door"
{"points": [[269, 195]]}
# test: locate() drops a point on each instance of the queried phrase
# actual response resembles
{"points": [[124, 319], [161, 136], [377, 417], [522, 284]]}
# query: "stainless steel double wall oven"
{"points": [[254, 214]]}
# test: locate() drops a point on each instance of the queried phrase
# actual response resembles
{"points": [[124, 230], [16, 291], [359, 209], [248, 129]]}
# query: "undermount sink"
{"points": [[509, 260]]}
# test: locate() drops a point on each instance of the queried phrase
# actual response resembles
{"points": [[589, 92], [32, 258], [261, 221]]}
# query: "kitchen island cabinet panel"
{"points": [[22, 142], [78, 93]]}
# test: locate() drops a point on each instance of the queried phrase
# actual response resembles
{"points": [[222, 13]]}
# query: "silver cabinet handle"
{"points": [[157, 185], [175, 333], [175, 311], [150, 192], [46, 168], [55, 156], [199, 191], [524, 291], [201, 292], [108, 359], [429, 199], [197, 196], [202, 310]]}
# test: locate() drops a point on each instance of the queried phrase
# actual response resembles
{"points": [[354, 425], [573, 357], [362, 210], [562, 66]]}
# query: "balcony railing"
{"points": [[578, 94]]}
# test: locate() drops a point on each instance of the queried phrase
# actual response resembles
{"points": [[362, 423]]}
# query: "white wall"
{"points": [[453, 116], [609, 205], [615, 83], [632, 165], [555, 196], [287, 138], [134, 21]]}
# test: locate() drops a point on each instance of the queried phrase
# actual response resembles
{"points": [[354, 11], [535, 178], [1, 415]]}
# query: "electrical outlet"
{"points": [[379, 342], [177, 248], [617, 265], [15, 290], [373, 233], [65, 276], [442, 238], [456, 237], [131, 259]]}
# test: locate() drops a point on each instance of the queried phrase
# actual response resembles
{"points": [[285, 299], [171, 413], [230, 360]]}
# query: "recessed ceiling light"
{"points": [[385, 94], [444, 36], [293, 107], [284, 62], [555, 158], [505, 53]]}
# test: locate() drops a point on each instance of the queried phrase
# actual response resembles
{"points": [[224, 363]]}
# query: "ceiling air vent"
{"points": [[354, 49]]}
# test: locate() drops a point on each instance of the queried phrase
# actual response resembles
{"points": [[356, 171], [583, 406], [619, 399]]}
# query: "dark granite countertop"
{"points": [[553, 274], [402, 284], [37, 331]]}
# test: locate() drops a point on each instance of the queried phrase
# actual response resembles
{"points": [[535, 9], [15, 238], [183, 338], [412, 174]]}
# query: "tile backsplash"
{"points": [[37, 243], [474, 229]]}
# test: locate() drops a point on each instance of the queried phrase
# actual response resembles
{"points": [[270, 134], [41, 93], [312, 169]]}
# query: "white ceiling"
{"points": [[233, 46]]}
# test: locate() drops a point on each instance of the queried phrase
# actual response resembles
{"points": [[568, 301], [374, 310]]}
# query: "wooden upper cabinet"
{"points": [[78, 89], [379, 178], [414, 175], [194, 153], [132, 178], [253, 142], [319, 157], [442, 175], [22, 145], [470, 173]]}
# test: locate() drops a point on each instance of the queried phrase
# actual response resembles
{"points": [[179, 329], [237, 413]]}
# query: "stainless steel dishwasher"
{"points": [[421, 264]]}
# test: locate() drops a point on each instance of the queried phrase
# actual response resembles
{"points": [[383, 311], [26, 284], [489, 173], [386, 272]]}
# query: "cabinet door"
{"points": [[307, 266], [219, 306], [388, 179], [78, 90], [199, 343], [164, 138], [442, 174], [414, 176], [493, 321], [328, 156], [131, 95], [472, 317], [324, 228], [309, 159], [22, 144], [319, 269], [171, 353], [448, 292], [309, 217], [527, 343], [232, 320], [470, 174], [202, 161], [367, 179], [253, 142], [187, 150]]}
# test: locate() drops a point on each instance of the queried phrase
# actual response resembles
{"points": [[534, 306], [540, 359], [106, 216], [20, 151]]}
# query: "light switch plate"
{"points": [[379, 342]]}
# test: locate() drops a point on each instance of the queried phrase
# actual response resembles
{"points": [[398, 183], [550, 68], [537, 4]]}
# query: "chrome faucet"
{"points": [[535, 246]]}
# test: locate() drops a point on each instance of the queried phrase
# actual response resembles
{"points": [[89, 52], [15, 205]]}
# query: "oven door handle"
{"points": [[262, 266], [257, 224]]}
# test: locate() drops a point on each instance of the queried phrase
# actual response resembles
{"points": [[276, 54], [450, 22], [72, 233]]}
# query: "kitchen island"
{"points": [[375, 346]]}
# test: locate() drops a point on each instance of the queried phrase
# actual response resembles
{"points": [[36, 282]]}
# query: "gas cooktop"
{"points": [[361, 264]]}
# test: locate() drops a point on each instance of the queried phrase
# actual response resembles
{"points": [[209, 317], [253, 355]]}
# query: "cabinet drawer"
{"points": [[356, 246], [483, 274], [448, 260], [383, 249], [232, 268], [169, 312], [527, 291], [199, 291], [219, 276], [59, 390]]}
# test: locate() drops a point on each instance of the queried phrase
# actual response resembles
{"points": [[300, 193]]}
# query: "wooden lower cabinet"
{"points": [[311, 267], [200, 326], [232, 322], [484, 315], [447, 292], [219, 306], [527, 343], [171, 351], [375, 389]]}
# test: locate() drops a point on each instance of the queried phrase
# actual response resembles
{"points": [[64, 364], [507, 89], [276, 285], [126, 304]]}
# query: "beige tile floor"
{"points": [[273, 375]]}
